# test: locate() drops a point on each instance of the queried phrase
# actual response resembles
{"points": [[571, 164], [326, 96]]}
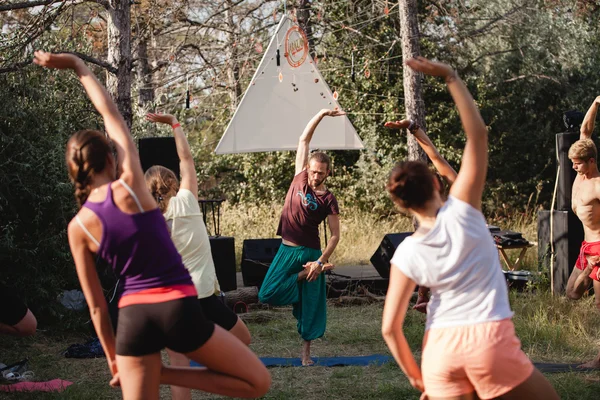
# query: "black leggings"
{"points": [[217, 312], [179, 325], [12, 309]]}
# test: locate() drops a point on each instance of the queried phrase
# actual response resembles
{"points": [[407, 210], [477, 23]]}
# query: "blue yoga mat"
{"points": [[362, 361]]}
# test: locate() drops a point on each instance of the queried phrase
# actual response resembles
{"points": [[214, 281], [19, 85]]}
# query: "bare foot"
{"points": [[328, 267], [306, 360], [421, 305], [302, 275], [590, 364]]}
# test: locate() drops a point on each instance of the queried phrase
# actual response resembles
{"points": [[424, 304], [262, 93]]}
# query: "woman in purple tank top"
{"points": [[119, 220]]}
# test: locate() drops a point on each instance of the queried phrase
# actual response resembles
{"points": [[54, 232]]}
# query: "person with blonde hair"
{"points": [[178, 201], [585, 202], [470, 349], [119, 221]]}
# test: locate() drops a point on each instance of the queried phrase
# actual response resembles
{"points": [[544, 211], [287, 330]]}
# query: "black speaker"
{"points": [[566, 174], [223, 254], [257, 255], [383, 255], [159, 151], [568, 235]]}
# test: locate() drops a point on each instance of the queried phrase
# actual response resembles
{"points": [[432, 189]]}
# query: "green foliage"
{"points": [[40, 109]]}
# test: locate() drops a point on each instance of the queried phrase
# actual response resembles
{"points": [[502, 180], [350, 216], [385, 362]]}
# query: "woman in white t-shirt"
{"points": [[470, 349], [179, 205]]}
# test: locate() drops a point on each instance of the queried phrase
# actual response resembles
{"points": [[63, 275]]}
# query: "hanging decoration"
{"points": [[353, 73], [187, 92]]}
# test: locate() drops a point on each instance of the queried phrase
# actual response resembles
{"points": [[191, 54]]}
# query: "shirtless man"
{"points": [[585, 201]]}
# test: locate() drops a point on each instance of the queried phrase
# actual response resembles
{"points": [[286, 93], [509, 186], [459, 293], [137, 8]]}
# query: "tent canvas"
{"points": [[281, 99]]}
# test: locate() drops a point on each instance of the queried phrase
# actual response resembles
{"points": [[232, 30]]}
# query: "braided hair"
{"points": [[411, 184], [86, 155], [162, 184]]}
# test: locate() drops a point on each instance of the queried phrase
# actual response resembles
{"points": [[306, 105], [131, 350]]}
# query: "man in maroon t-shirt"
{"points": [[294, 276]]}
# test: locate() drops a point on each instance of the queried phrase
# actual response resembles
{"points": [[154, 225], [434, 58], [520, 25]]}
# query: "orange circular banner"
{"points": [[296, 46]]}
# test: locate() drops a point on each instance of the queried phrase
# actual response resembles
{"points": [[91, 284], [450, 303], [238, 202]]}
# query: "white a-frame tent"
{"points": [[286, 91]]}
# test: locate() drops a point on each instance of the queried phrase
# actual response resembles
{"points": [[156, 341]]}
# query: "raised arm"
{"points": [[439, 162], [189, 180], [116, 128], [304, 142], [587, 127], [470, 180]]}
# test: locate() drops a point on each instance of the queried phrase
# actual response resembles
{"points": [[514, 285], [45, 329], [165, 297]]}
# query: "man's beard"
{"points": [[318, 183]]}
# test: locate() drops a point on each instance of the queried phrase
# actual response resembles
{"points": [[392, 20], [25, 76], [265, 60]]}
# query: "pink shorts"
{"points": [[485, 358]]}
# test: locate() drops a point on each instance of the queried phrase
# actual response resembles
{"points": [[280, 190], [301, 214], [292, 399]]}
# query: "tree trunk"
{"points": [[413, 93], [119, 55], [245, 295], [305, 23], [144, 74], [232, 65]]}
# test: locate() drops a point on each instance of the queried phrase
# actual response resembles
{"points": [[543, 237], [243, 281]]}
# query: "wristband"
{"points": [[452, 77], [177, 125], [319, 263], [413, 127]]}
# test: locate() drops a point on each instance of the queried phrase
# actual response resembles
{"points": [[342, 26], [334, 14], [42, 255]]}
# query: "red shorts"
{"points": [[589, 249]]}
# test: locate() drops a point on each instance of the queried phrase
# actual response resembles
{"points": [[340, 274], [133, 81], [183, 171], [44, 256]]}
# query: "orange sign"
{"points": [[296, 46]]}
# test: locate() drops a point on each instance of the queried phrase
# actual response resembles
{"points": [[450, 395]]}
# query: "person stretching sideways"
{"points": [[119, 220], [470, 349], [179, 204]]}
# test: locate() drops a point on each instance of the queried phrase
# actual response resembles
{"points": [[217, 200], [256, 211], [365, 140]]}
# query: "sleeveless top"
{"points": [[137, 246]]}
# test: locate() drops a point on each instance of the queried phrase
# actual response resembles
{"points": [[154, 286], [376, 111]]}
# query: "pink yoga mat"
{"points": [[55, 385]]}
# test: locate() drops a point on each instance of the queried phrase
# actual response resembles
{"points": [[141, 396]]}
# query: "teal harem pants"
{"points": [[281, 287]]}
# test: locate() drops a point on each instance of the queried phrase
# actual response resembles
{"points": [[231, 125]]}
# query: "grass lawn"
{"points": [[551, 329]]}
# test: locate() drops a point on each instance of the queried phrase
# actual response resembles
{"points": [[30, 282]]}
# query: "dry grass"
{"points": [[361, 232]]}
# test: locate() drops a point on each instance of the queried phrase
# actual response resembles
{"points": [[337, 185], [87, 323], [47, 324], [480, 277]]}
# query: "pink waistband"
{"points": [[158, 295]]}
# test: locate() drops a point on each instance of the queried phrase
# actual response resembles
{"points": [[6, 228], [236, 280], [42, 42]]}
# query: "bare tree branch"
{"points": [[15, 67], [109, 67], [36, 3], [26, 4], [491, 24], [516, 78]]}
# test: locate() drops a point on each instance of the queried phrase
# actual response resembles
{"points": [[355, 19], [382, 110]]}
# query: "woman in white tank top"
{"points": [[470, 349]]}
